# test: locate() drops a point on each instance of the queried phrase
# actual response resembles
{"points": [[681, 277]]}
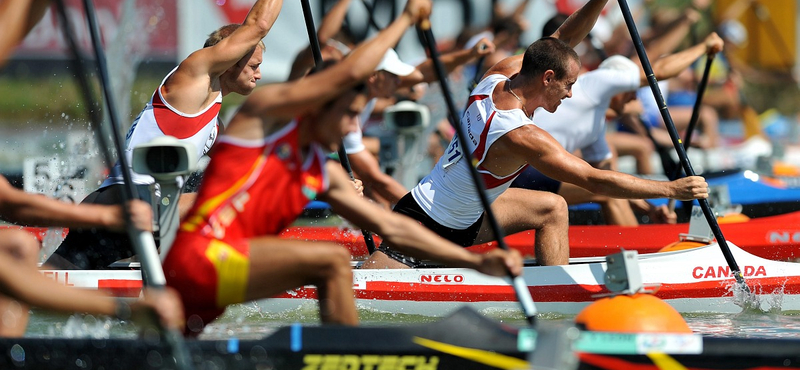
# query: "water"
{"points": [[248, 321]]}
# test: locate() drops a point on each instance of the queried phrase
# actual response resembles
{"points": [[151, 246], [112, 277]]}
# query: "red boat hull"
{"points": [[773, 237]]}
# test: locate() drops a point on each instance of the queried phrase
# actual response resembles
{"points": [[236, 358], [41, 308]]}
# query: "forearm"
{"points": [[364, 58], [578, 25], [263, 15], [38, 210], [332, 22], [671, 65], [623, 186], [409, 237], [18, 17], [666, 42], [450, 61]]}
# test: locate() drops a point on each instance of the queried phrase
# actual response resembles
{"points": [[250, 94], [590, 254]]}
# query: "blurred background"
{"points": [[44, 130]]}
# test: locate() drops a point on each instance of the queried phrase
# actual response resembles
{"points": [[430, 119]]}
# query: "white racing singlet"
{"points": [[158, 118], [448, 193]]}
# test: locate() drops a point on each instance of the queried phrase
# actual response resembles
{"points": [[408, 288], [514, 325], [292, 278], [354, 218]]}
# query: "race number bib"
{"points": [[453, 153]]}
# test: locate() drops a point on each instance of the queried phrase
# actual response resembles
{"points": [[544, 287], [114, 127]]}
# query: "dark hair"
{"points": [[548, 53], [551, 26], [506, 24]]}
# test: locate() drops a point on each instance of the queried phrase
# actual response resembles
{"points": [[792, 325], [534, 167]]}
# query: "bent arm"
{"points": [[403, 233], [671, 65], [288, 100], [426, 72], [38, 210], [546, 155], [217, 59], [367, 168], [578, 25]]}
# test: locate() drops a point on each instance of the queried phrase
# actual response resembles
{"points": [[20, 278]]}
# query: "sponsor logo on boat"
{"points": [[59, 277], [408, 362], [785, 237], [706, 272], [437, 278]]}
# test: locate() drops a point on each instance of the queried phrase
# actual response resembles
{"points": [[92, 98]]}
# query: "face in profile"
{"points": [[560, 89], [244, 75], [333, 121]]}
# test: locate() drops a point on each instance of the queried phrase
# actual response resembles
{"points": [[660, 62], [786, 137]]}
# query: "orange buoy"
{"points": [[632, 314], [681, 245], [733, 218]]}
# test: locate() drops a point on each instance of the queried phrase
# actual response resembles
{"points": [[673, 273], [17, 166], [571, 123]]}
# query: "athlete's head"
{"points": [[555, 65], [337, 117], [386, 79], [240, 78]]}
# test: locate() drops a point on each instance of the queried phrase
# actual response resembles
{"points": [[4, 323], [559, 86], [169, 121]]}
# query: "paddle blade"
{"points": [[525, 299]]}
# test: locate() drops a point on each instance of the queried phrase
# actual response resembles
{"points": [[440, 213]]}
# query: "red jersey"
{"points": [[256, 188], [250, 189]]}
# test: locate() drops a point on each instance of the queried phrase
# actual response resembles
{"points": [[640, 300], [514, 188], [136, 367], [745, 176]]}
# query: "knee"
{"points": [[337, 262], [556, 207], [20, 245]]}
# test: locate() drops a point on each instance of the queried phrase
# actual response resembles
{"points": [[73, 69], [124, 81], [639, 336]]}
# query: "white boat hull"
{"points": [[696, 280]]}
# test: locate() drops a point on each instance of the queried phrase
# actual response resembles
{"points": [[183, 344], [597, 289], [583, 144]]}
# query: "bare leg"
{"points": [[20, 246], [640, 147], [277, 265], [522, 209]]}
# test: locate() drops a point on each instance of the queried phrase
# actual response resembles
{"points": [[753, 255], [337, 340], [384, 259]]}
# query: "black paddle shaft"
{"points": [[676, 140], [150, 268], [317, 52], [701, 89], [520, 287]]}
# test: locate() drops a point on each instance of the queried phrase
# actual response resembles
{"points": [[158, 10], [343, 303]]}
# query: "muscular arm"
{"points": [[290, 99], [329, 27], [546, 155], [671, 65], [38, 210], [426, 72], [188, 89], [407, 235], [18, 17], [367, 168]]}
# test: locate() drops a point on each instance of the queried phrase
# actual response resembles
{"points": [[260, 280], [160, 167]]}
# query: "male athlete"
{"points": [[580, 124], [260, 178], [504, 140], [186, 105]]}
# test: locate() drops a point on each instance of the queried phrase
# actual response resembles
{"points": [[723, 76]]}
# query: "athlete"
{"points": [[186, 105], [390, 75], [260, 178], [504, 140], [580, 124]]}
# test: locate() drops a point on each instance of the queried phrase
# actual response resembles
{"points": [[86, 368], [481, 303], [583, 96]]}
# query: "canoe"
{"points": [[690, 280], [463, 340], [773, 237]]}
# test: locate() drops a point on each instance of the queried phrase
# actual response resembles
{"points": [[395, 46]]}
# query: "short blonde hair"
{"points": [[223, 32]]}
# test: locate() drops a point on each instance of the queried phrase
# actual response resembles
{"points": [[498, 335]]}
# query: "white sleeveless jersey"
{"points": [[158, 118], [448, 193]]}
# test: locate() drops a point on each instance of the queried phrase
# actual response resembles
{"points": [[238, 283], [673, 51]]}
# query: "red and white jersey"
{"points": [[448, 193], [158, 118], [256, 187]]}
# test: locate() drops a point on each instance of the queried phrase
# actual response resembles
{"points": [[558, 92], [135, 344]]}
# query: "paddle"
{"points": [[687, 141], [520, 287], [143, 242], [317, 52], [676, 141]]}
